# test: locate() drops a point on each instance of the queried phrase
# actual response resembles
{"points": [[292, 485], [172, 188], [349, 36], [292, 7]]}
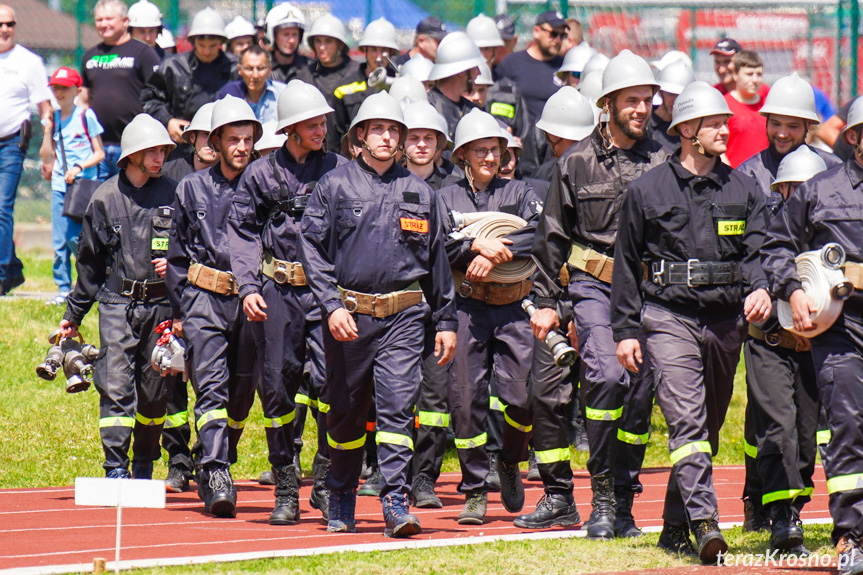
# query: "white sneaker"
{"points": [[58, 300]]}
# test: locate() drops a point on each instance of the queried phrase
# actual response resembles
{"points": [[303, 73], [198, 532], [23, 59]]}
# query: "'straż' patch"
{"points": [[731, 227], [159, 244], [409, 225]]}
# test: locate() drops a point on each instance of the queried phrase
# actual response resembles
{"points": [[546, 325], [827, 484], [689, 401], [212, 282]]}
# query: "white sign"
{"points": [[103, 492]]}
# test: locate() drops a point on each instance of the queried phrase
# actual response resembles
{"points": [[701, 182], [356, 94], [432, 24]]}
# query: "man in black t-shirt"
{"points": [[114, 72], [533, 70]]}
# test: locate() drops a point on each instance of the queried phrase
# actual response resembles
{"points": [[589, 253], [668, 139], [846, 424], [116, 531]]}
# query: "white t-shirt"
{"points": [[23, 81]]}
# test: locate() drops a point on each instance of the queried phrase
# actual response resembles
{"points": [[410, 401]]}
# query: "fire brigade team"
{"points": [[388, 247]]}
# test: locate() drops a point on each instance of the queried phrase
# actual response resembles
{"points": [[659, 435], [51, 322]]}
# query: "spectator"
{"points": [[747, 129], [255, 85], [285, 27], [722, 54], [23, 82], [145, 24], [184, 82], [574, 36], [241, 34], [77, 152], [430, 31], [533, 70], [506, 27], [114, 73]]}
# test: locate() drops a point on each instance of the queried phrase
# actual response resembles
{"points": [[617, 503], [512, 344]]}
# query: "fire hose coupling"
{"points": [[169, 355], [74, 357], [564, 354]]}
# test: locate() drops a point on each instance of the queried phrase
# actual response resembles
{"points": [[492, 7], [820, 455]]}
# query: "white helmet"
{"points": [[285, 14], [791, 96], [207, 22], [144, 14], [142, 133], [477, 125], [299, 102], [408, 88], [798, 166], [567, 114], [575, 60], [590, 87], [626, 70], [598, 61], [485, 78], [698, 100], [380, 106], [484, 33], [328, 25], [512, 143], [674, 77], [381, 34], [165, 39], [855, 117], [239, 27], [455, 54], [230, 110], [201, 121], [419, 67], [671, 57], [269, 138], [423, 116]]}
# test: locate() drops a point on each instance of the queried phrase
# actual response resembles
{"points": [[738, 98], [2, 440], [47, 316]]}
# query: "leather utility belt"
{"points": [[211, 279], [491, 293], [780, 338], [587, 260], [381, 305], [137, 290], [283, 272], [854, 273], [694, 273]]}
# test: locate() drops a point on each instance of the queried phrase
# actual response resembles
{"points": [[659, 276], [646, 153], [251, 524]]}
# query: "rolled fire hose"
{"points": [[820, 272], [494, 225]]}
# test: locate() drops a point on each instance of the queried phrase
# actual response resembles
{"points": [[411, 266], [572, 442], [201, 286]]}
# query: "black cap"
{"points": [[552, 18], [432, 26], [505, 26], [727, 47]]}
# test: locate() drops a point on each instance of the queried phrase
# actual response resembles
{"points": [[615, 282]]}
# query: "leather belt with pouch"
{"points": [[137, 290], [283, 272], [781, 338], [491, 293], [587, 260], [694, 273], [854, 272], [381, 305], [211, 279]]}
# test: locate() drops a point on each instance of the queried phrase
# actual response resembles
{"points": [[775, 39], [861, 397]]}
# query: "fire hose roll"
{"points": [[494, 225]]}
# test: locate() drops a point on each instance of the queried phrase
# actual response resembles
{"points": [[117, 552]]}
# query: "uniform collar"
{"points": [[716, 175], [855, 171], [292, 160], [365, 167], [641, 148]]}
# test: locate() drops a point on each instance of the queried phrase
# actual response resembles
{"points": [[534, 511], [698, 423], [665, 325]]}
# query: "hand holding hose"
{"points": [[493, 249], [802, 306]]}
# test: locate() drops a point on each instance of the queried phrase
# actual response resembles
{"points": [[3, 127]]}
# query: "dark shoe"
{"points": [[581, 444], [10, 284], [492, 482], [624, 522], [785, 534], [675, 539], [511, 487], [367, 471], [373, 485], [422, 493], [287, 509], [532, 469], [601, 523], [118, 473], [298, 469], [475, 505], [755, 518], [800, 551], [202, 478], [709, 540], [551, 509], [342, 506], [320, 496], [850, 556], [142, 470], [268, 477], [176, 482], [224, 499], [399, 521]]}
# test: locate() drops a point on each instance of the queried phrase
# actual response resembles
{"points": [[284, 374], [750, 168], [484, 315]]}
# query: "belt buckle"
{"points": [[130, 293], [292, 272], [379, 298], [280, 272], [465, 289], [657, 275], [772, 339], [349, 300], [232, 282], [689, 263]]}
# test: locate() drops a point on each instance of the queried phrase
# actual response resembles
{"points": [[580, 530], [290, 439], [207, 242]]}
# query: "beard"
{"points": [[622, 123]]}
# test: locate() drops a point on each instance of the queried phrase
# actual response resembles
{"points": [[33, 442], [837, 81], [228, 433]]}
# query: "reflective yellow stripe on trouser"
{"points": [[471, 443], [116, 421], [212, 416], [633, 438], [603, 414], [150, 422], [304, 399], [823, 437], [234, 424], [496, 404], [278, 422], [433, 418], [517, 425], [552, 455], [690, 449], [750, 450], [323, 407], [782, 495], [355, 444], [177, 420], [394, 439], [845, 483]]}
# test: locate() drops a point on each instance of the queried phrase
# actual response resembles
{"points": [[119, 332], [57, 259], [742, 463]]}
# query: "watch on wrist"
{"points": [[80, 169]]}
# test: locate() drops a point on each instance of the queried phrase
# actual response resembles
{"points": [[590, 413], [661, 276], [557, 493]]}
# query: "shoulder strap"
{"points": [[62, 147]]}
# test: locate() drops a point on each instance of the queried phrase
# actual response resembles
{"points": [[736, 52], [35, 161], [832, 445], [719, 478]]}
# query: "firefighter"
{"points": [[672, 79], [578, 228], [823, 210], [697, 225], [455, 69], [371, 239], [121, 263], [265, 222], [285, 26]]}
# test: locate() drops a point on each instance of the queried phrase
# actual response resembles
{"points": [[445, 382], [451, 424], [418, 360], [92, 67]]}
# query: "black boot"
{"points": [[320, 496], [551, 509], [675, 539], [800, 550], [755, 518], [422, 492], [268, 477], [287, 509], [624, 522], [785, 534], [224, 495], [399, 521], [601, 522], [709, 540], [373, 485], [177, 481], [511, 487], [492, 482], [532, 469], [204, 494]]}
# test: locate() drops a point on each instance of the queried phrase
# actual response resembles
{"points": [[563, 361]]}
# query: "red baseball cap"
{"points": [[65, 77]]}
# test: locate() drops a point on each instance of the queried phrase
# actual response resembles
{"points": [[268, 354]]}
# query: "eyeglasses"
{"points": [[554, 35], [251, 69], [10, 24], [482, 153]]}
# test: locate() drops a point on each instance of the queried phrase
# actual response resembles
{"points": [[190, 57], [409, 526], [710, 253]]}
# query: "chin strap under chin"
{"points": [[698, 145]]}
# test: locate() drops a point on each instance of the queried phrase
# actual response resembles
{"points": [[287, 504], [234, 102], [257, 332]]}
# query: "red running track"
{"points": [[44, 532]]}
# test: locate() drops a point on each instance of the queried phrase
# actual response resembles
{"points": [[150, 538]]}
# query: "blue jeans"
{"points": [[11, 162], [108, 167], [64, 240]]}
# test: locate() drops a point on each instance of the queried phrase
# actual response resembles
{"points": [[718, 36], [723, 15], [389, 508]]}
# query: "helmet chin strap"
{"points": [[698, 145], [415, 163], [372, 154]]}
